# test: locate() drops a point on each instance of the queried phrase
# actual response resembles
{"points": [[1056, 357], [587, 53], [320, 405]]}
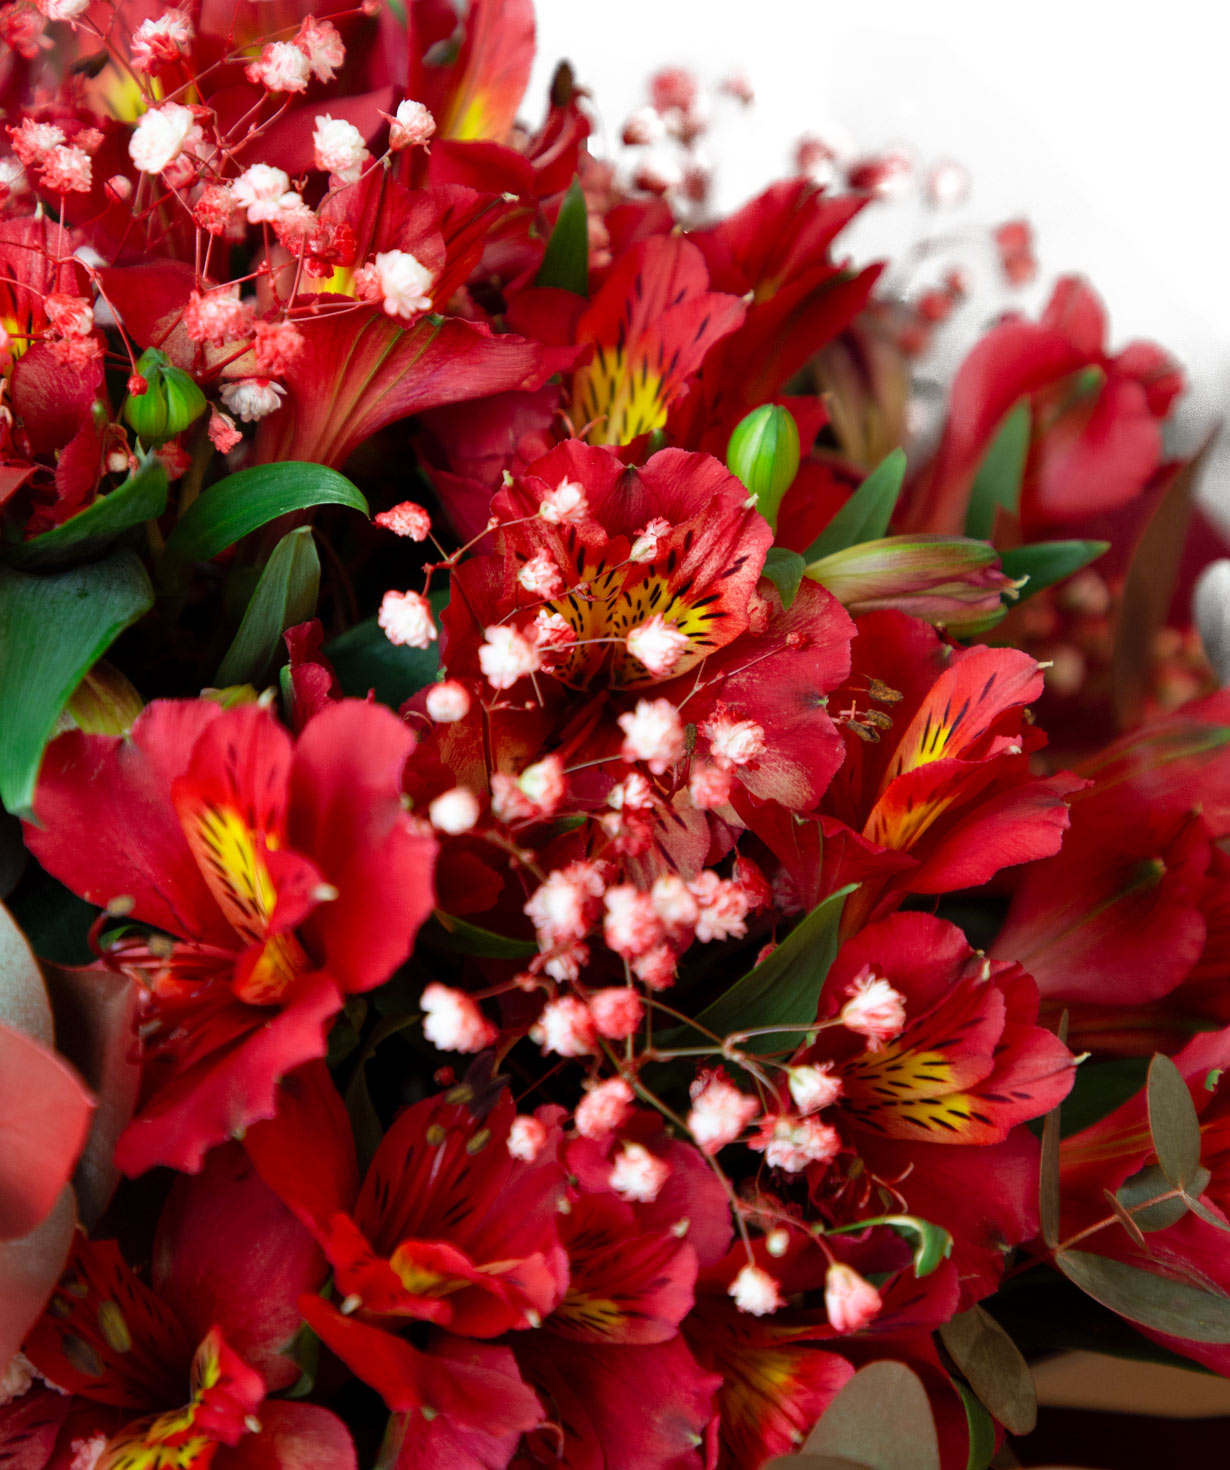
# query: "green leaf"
{"points": [[991, 1363], [785, 568], [364, 659], [285, 595], [1048, 562], [1173, 1124], [880, 1419], [1158, 1302], [245, 501], [566, 261], [865, 516], [52, 630], [784, 988], [981, 1429], [1147, 1184], [932, 1243], [142, 497], [998, 481], [456, 935]]}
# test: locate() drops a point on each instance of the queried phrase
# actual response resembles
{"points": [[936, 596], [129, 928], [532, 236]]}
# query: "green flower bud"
{"points": [[170, 403], [104, 703], [764, 453], [950, 581]]}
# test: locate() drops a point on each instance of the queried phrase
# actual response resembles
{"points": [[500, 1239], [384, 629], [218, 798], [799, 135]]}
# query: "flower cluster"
{"points": [[562, 973]]}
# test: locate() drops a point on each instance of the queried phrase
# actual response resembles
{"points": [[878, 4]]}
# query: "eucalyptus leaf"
{"points": [[52, 630], [1161, 1303], [285, 595], [998, 481], [251, 498], [865, 516], [991, 1363], [565, 263], [1047, 562], [1173, 1124], [881, 1419], [785, 568], [95, 530], [1147, 1184]]}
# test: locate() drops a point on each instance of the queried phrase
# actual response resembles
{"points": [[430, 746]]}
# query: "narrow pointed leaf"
{"points": [[981, 1430], [285, 595], [1048, 562], [865, 516], [1173, 1124], [785, 568], [142, 497], [786, 987], [992, 1365], [1158, 1302], [997, 484], [880, 1419], [566, 261], [243, 502], [461, 937], [52, 629]]}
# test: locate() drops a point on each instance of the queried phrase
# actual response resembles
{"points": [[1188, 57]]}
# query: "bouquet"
{"points": [[594, 876]]}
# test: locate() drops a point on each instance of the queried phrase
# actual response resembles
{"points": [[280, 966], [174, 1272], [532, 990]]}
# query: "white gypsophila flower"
{"points": [[160, 136]]}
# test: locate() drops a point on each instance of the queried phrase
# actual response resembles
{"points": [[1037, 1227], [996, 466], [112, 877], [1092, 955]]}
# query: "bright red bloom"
{"points": [[948, 782], [1095, 419], [229, 1264], [283, 875]]}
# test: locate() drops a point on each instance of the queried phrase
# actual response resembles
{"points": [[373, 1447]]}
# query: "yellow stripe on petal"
{"points": [[613, 401]]}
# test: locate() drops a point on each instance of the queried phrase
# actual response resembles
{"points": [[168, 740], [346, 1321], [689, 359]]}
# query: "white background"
{"points": [[1108, 125]]}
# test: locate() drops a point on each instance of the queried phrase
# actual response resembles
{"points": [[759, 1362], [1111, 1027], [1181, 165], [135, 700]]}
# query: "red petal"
{"points": [[292, 1437]]}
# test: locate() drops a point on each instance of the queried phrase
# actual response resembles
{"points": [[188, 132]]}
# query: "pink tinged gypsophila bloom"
{"points": [[454, 811], [813, 1087], [265, 193], [62, 9], [223, 434], [448, 702], [675, 904], [645, 547], [604, 1108], [21, 27], [541, 576], [631, 924], [87, 1452], [653, 733], [250, 399], [214, 208], [526, 1138], [71, 316], [33, 141], [338, 148], [281, 67], [755, 1292], [849, 1299], [875, 1010], [217, 317], [658, 644], [566, 505], [412, 126], [723, 907], [732, 741], [277, 346], [709, 786], [453, 1022], [161, 40], [565, 1027], [637, 1175], [402, 282], [409, 520], [506, 656], [617, 1011], [719, 1113], [67, 170], [406, 619], [321, 42], [793, 1143], [565, 906], [161, 135]]}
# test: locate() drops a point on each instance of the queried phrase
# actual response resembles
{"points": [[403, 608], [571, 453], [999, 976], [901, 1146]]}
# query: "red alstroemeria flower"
{"points": [[1095, 419], [942, 772], [282, 874], [632, 1273], [968, 1065], [449, 1229], [229, 1264]]}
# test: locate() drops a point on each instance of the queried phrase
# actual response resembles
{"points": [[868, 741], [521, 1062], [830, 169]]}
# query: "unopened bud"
{"points": [[764, 453], [104, 703], [169, 403]]}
